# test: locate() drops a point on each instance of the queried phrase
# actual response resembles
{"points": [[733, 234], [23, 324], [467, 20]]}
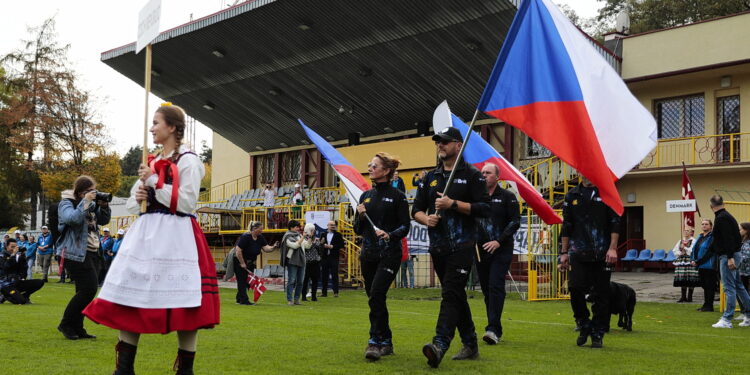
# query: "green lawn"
{"points": [[329, 337]]}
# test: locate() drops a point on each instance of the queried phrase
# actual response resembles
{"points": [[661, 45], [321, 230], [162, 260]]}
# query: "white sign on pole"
{"points": [[319, 218], [682, 205], [148, 24]]}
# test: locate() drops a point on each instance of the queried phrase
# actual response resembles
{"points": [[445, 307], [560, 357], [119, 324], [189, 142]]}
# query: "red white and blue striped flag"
{"points": [[552, 84]]}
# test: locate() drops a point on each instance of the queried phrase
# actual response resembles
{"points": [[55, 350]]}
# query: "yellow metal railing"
{"points": [[226, 190], [546, 282], [699, 150], [552, 177]]}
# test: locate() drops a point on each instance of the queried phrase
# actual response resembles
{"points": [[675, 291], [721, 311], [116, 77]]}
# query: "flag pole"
{"points": [[355, 208], [458, 159], [147, 86]]}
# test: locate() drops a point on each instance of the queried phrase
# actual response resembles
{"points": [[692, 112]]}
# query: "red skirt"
{"points": [[140, 320]]}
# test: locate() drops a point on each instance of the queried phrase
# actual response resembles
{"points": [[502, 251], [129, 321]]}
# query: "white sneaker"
{"points": [[745, 322], [740, 317], [722, 323]]}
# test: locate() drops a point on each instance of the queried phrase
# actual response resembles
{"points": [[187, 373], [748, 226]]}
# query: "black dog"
{"points": [[622, 302]]}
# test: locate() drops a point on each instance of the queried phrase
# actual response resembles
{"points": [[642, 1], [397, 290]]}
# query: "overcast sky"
{"points": [[91, 27]]}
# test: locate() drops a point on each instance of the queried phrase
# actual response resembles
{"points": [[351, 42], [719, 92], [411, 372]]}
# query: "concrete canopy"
{"points": [[343, 66]]}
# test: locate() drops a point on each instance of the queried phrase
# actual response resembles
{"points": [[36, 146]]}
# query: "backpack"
{"points": [[53, 221]]}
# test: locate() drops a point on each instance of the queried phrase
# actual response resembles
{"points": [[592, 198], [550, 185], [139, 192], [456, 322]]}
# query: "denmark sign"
{"points": [[682, 205]]}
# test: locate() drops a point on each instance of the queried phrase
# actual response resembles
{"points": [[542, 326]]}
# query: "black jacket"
{"points": [[388, 209], [589, 223], [12, 268], [454, 229], [727, 240], [338, 243], [504, 219]]}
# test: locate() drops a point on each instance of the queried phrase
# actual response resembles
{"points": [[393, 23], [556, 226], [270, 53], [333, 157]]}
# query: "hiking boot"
{"points": [[433, 353], [386, 349], [466, 352], [490, 338], [584, 333], [372, 352], [183, 364], [596, 340], [125, 358]]}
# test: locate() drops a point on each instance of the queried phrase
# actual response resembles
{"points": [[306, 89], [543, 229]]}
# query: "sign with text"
{"points": [[148, 24], [682, 205], [319, 218]]}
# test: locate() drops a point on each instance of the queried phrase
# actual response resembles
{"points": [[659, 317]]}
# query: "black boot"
{"points": [[125, 358], [690, 295], [585, 331], [184, 362], [597, 338]]}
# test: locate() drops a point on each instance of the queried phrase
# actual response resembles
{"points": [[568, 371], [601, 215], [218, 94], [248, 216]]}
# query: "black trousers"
{"points": [[452, 268], [708, 278], [87, 281], [312, 274], [587, 277], [241, 276], [378, 278], [492, 269], [330, 268], [28, 287]]}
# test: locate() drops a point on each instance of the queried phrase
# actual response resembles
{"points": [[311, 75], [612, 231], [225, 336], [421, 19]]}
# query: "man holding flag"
{"points": [[451, 228]]}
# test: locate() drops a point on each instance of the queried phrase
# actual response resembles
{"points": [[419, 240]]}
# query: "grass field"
{"points": [[329, 337]]}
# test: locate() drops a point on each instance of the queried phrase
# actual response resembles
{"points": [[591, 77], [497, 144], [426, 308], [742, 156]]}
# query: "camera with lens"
{"points": [[104, 197]]}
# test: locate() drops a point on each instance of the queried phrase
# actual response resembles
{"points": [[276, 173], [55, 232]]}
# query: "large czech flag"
{"points": [[478, 153], [552, 84], [354, 182]]}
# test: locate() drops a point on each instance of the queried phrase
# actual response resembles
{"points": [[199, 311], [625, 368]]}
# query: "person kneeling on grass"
{"points": [[13, 265]]}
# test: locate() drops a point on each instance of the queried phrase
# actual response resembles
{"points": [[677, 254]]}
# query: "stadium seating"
{"points": [[630, 256]]}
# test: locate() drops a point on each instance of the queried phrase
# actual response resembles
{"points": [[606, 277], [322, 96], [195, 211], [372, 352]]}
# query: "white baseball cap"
{"points": [[105, 230], [121, 231], [296, 185], [44, 227], [17, 232]]}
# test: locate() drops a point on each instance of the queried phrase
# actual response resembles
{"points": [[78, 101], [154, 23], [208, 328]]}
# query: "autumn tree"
{"points": [[104, 168], [12, 172]]}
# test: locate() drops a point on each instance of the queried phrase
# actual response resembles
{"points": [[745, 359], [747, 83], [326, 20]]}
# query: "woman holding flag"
{"points": [[163, 278], [382, 221]]}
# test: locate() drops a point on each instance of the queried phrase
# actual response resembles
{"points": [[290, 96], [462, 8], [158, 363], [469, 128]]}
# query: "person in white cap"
{"points": [[105, 248]]}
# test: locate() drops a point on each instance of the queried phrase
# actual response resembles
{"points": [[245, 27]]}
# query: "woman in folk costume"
{"points": [[163, 278]]}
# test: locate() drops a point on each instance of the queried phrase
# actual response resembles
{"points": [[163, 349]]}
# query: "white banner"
{"points": [[418, 240], [682, 205], [319, 218], [148, 24]]}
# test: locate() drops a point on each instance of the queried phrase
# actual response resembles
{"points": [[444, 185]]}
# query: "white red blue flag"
{"points": [[552, 84], [354, 182], [478, 153]]}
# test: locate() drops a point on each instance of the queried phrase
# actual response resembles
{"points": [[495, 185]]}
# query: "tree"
{"points": [[130, 162], [206, 152], [647, 15], [12, 171], [104, 168]]}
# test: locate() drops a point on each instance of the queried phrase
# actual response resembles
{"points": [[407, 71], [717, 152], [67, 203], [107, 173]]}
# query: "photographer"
{"points": [[80, 213], [12, 273]]}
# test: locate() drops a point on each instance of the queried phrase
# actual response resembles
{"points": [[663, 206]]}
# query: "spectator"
{"points": [[44, 251], [590, 232], [417, 178], [22, 241], [744, 265], [705, 260], [398, 183], [726, 245], [248, 247], [407, 266], [298, 199], [685, 274], [294, 254], [5, 241], [333, 244], [105, 249], [12, 274], [80, 214], [31, 250], [269, 200], [116, 245], [17, 235], [312, 267]]}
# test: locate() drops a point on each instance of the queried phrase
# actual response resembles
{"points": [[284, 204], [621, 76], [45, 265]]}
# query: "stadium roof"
{"points": [[368, 66]]}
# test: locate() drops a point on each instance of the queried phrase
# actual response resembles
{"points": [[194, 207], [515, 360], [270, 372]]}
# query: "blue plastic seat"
{"points": [[644, 255], [670, 257], [659, 255], [632, 254]]}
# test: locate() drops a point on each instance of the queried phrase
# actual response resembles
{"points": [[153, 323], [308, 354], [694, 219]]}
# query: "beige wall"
{"points": [[661, 229], [686, 47], [229, 161]]}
